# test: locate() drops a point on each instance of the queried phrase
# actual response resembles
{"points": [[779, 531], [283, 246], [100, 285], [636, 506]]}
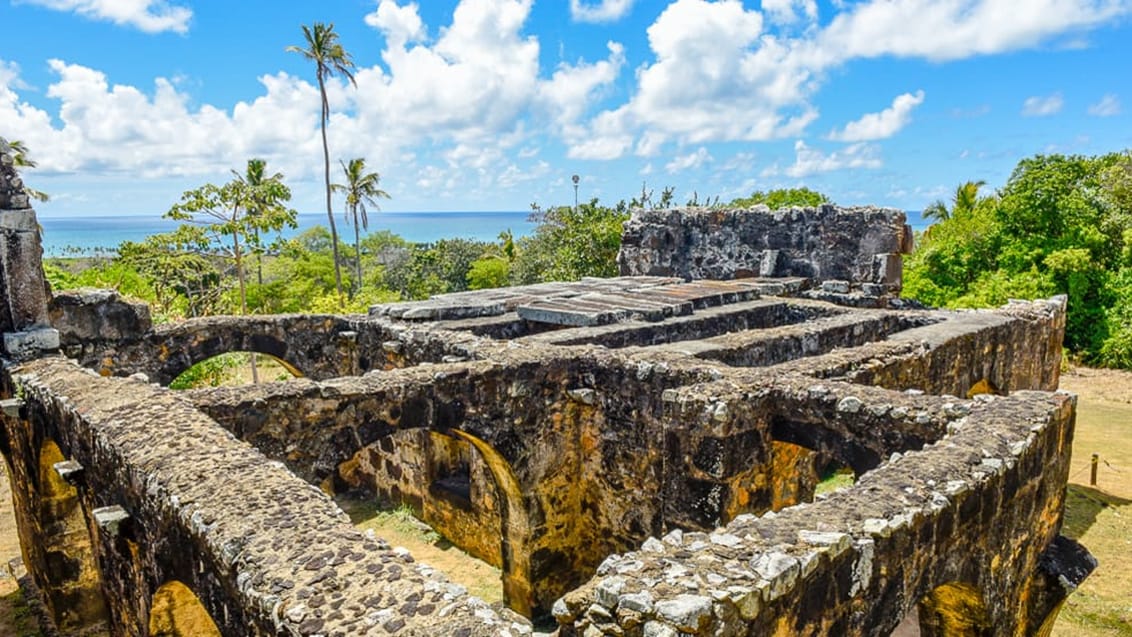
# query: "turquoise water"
{"points": [[83, 236]]}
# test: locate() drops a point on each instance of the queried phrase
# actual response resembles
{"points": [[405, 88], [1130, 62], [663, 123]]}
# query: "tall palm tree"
{"points": [[330, 59], [360, 188]]}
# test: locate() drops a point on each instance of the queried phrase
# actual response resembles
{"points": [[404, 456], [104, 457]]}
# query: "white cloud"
{"points": [[785, 11], [881, 125], [810, 161], [1038, 106], [602, 11], [151, 16], [1107, 107], [695, 159], [954, 29]]}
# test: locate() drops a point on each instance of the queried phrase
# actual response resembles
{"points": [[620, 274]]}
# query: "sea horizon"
{"points": [[100, 235]]}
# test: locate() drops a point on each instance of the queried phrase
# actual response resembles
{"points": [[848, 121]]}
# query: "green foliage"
{"points": [[1060, 225], [212, 372], [782, 198], [492, 272], [570, 243], [436, 268]]}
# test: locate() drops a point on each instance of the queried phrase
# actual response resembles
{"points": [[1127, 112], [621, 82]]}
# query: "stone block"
{"points": [[31, 343], [888, 270]]}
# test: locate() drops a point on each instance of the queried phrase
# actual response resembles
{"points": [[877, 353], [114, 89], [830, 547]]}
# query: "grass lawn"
{"points": [[1100, 517]]}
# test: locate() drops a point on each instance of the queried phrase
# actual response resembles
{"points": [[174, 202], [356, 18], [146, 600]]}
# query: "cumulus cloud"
{"points": [[602, 11], [466, 102], [1043, 106], [695, 159], [942, 30], [881, 125], [151, 16], [1107, 107], [811, 161]]}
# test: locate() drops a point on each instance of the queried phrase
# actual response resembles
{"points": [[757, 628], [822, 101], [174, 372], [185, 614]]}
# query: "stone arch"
{"points": [[175, 611], [517, 590], [294, 371], [72, 589], [402, 466]]}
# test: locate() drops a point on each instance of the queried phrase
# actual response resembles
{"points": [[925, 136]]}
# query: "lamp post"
{"points": [[575, 179]]}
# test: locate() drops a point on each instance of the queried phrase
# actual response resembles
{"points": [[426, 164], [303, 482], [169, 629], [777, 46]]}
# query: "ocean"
{"points": [[87, 236], [100, 235]]}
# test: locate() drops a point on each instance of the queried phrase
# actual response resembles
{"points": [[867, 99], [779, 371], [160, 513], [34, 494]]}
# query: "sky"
{"points": [[476, 105]]}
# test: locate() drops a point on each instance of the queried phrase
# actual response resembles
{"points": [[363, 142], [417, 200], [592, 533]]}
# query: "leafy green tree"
{"points": [[360, 188], [1060, 225], [782, 198], [570, 243], [184, 281], [330, 59], [224, 223]]}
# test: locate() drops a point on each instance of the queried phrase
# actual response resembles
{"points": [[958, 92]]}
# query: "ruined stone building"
{"points": [[639, 455]]}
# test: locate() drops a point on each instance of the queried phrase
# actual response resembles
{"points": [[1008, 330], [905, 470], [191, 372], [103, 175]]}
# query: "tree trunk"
{"points": [[237, 256], [329, 211], [357, 255]]}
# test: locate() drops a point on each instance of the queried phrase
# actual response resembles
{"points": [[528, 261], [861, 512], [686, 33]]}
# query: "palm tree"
{"points": [[360, 188], [330, 59], [966, 197], [254, 176], [936, 210], [20, 159]]}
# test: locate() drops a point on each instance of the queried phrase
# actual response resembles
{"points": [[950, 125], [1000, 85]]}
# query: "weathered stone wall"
{"points": [[23, 287], [265, 553], [974, 508], [858, 245]]}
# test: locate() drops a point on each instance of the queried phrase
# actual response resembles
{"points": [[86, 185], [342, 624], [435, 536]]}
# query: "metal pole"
{"points": [[1093, 470], [575, 179]]}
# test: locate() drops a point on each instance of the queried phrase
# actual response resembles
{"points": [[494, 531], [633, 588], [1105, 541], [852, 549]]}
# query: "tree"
{"points": [[936, 211], [782, 198], [360, 188], [570, 243], [225, 223], [255, 177], [330, 59], [966, 197], [21, 159]]}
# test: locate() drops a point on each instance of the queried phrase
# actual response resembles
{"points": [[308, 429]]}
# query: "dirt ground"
{"points": [[1100, 516], [15, 617]]}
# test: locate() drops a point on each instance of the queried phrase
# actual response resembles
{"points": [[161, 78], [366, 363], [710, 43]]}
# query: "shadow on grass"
{"points": [[1083, 505]]}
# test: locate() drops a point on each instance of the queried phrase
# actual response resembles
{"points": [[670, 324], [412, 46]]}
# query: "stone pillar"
{"points": [[24, 320]]}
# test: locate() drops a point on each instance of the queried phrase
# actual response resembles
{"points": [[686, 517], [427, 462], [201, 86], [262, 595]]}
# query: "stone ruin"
{"points": [[638, 455]]}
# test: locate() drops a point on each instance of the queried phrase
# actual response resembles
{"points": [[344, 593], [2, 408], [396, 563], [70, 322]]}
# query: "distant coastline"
{"points": [[78, 236], [74, 236]]}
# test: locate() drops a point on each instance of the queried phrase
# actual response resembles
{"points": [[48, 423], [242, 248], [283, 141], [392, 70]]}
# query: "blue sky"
{"points": [[494, 104]]}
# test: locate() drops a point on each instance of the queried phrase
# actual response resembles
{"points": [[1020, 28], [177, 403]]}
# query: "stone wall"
{"points": [[265, 553], [861, 246], [23, 287]]}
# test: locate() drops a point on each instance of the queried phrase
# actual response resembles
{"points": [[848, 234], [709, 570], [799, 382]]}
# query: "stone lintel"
{"points": [[12, 407], [111, 519], [70, 470]]}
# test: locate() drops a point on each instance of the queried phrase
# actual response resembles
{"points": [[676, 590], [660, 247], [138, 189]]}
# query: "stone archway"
{"points": [[212, 370], [73, 586], [175, 611]]}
